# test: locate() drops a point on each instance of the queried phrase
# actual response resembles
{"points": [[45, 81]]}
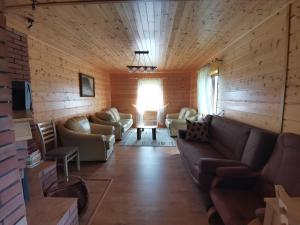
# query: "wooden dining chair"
{"points": [[50, 150]]}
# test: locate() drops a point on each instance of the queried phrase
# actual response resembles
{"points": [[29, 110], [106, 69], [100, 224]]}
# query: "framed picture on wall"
{"points": [[86, 85]]}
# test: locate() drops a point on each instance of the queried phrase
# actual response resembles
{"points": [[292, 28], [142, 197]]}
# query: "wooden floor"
{"points": [[150, 187]]}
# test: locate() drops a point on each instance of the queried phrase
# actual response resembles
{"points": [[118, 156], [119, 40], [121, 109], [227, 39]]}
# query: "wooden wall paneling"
{"points": [[291, 121], [176, 88], [55, 83], [252, 74]]}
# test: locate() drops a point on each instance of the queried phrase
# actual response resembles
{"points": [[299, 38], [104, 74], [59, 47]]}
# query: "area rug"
{"points": [[163, 138], [98, 188]]}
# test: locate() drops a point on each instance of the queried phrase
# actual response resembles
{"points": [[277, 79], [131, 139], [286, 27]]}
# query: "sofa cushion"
{"points": [[79, 124], [229, 137], [111, 116], [182, 113], [236, 207], [283, 165], [193, 151], [104, 116], [197, 131], [258, 148], [116, 114]]}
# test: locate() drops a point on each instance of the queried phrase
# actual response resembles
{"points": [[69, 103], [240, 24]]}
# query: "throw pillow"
{"points": [[197, 131]]}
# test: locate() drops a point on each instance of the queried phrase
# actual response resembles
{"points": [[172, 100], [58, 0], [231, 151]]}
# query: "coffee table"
{"points": [[146, 125]]}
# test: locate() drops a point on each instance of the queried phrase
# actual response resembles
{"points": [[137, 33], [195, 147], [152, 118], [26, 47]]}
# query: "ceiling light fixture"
{"points": [[141, 58]]}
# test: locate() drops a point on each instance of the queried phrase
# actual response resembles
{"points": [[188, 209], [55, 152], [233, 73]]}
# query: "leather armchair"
{"points": [[122, 122], [238, 193], [95, 142], [176, 121]]}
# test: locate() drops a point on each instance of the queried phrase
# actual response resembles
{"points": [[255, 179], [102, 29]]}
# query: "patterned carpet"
{"points": [[163, 138]]}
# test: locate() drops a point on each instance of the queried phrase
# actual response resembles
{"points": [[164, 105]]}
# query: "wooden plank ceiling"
{"points": [[180, 35]]}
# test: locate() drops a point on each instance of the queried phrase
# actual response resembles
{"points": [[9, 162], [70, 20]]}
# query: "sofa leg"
{"points": [[214, 217]]}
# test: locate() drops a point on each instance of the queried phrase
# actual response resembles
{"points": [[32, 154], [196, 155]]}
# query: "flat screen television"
{"points": [[21, 95]]}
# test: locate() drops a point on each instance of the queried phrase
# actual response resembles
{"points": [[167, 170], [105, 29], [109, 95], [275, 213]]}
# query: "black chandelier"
{"points": [[141, 58]]}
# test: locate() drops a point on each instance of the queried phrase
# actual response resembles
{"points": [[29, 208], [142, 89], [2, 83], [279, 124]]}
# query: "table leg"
{"points": [[153, 133], [138, 134]]}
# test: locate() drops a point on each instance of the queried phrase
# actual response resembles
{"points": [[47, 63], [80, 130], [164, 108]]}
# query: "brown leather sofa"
{"points": [[238, 193], [231, 143]]}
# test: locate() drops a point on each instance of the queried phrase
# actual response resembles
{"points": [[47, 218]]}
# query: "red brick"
{"points": [[8, 165], [3, 64], [15, 216], [14, 46], [13, 35], [10, 192], [11, 206], [5, 95], [21, 43], [2, 21], [14, 66], [7, 137], [5, 80], [3, 35], [7, 151], [9, 179]]}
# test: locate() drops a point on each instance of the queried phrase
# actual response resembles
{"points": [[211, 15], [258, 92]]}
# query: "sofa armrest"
{"points": [[193, 118], [210, 165], [125, 115], [177, 122], [240, 177], [234, 172], [182, 133], [102, 129], [172, 116]]}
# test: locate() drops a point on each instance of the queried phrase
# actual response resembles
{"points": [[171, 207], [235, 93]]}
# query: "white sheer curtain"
{"points": [[150, 97], [204, 91]]}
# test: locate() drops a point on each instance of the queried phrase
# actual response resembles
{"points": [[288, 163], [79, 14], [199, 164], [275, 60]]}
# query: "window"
{"points": [[215, 80], [207, 91], [150, 96]]}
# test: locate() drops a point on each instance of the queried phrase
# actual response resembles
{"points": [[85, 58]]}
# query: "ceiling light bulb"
{"points": [[142, 69]]}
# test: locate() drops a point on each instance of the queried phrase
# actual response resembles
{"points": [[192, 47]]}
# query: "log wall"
{"points": [[55, 83]]}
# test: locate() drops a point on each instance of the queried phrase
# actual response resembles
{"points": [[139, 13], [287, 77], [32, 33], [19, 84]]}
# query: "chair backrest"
{"points": [[78, 124], [284, 164], [48, 135]]}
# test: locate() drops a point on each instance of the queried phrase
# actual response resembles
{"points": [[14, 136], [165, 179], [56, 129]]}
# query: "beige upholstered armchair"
{"points": [[95, 142], [176, 121], [122, 122]]}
